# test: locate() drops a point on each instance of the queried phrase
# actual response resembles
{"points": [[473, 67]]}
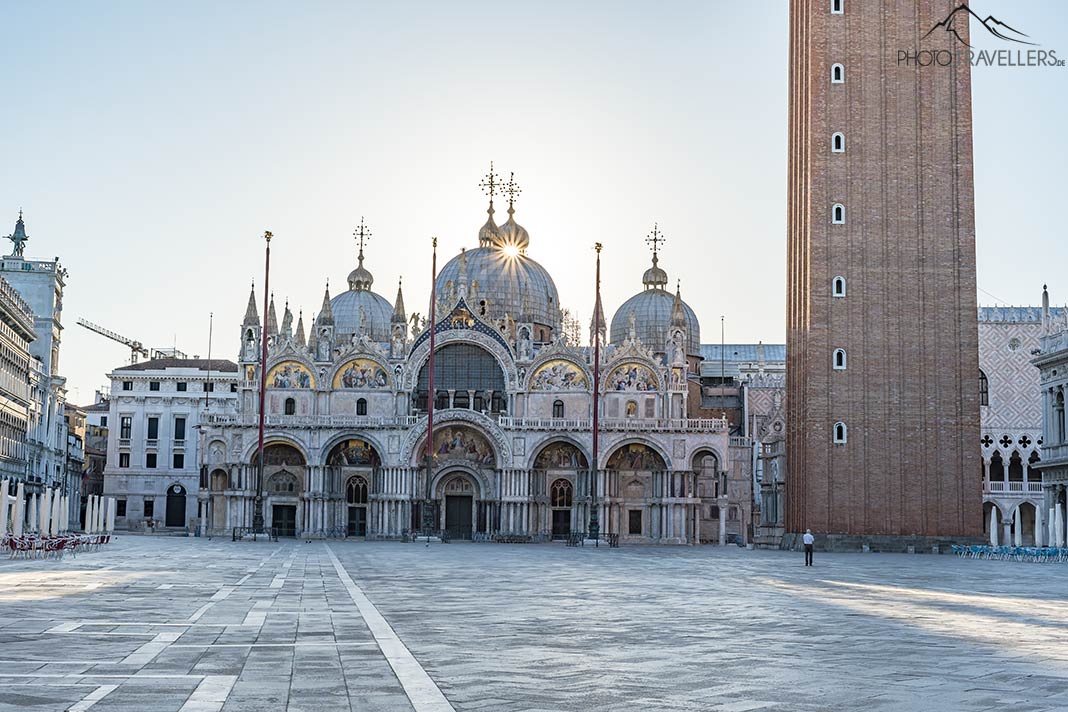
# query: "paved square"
{"points": [[188, 624]]}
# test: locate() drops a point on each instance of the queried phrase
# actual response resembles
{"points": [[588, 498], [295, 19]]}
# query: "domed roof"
{"points": [[360, 279], [359, 310], [362, 307], [512, 234], [514, 285], [652, 309], [652, 321]]}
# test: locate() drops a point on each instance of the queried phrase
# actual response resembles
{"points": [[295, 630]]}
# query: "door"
{"points": [[561, 523], [357, 521], [458, 511], [175, 506], [284, 519]]}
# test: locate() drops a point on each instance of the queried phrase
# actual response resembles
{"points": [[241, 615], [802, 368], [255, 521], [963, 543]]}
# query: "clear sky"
{"points": [[151, 144]]}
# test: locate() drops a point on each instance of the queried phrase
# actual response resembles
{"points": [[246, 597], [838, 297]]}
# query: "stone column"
{"points": [[1039, 538]]}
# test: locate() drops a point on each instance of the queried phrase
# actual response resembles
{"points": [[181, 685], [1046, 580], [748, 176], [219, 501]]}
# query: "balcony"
{"points": [[690, 425], [152, 442], [316, 421], [1019, 488]]}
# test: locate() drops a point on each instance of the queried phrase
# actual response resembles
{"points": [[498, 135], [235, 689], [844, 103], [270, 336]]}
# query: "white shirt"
{"points": [[808, 539]]}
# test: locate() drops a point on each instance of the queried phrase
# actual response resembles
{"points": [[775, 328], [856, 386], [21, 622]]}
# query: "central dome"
{"points": [[362, 311], [514, 285]]}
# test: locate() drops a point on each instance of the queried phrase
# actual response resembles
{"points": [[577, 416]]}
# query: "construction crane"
{"points": [[136, 347]]}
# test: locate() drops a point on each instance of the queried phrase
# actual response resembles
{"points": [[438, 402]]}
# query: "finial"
{"points": [[362, 233], [267, 235], [597, 247], [490, 183], [511, 189], [20, 213], [655, 238]]}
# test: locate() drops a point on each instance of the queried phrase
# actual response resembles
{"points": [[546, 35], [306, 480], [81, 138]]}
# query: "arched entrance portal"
{"points": [[284, 470], [356, 499], [561, 497], [175, 506], [459, 493]]}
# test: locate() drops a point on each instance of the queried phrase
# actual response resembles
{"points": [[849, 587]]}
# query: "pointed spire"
{"points": [[326, 314], [287, 321], [313, 335], [597, 323], [300, 330], [678, 314], [398, 307], [272, 320], [252, 317]]}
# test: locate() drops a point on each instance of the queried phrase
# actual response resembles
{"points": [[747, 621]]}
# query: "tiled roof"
{"points": [[203, 364], [744, 353]]}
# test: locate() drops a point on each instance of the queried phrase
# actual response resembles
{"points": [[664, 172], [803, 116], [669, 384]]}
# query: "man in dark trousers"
{"points": [[808, 540]]}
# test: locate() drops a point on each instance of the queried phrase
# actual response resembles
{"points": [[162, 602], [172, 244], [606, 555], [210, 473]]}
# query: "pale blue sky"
{"points": [[150, 145]]}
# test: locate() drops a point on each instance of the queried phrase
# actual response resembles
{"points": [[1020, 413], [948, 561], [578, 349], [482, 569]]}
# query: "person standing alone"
{"points": [[808, 540]]}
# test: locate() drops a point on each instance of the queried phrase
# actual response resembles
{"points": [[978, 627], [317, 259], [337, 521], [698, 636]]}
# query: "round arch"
{"points": [[702, 452], [555, 372], [616, 447], [367, 369], [421, 355], [414, 445], [630, 373], [328, 447], [583, 463], [447, 472], [275, 439]]}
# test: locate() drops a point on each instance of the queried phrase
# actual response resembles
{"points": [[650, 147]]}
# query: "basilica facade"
{"points": [[347, 401]]}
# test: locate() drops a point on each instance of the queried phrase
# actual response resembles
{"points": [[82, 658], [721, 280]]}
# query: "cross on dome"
{"points": [[361, 234], [511, 189]]}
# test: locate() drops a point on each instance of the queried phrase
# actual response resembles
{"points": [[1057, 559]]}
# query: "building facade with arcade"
{"points": [[346, 404]]}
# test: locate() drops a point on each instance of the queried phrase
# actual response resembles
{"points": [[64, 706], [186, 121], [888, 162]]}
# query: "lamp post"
{"points": [[257, 516], [595, 525]]}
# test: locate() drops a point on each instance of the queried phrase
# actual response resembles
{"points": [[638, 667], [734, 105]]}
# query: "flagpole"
{"points": [[428, 513], [257, 517], [595, 526]]}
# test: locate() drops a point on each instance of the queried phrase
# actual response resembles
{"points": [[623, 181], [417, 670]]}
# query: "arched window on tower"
{"points": [[838, 214], [361, 406], [291, 406], [837, 74], [838, 142], [841, 433], [558, 409], [838, 287], [984, 389], [839, 359], [837, 7]]}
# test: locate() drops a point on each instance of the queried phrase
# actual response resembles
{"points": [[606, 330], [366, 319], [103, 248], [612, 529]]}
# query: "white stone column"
{"points": [[1039, 539], [1017, 522], [1059, 522], [722, 526]]}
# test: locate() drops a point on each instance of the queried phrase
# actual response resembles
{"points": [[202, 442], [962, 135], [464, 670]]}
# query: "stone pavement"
{"points": [[153, 623]]}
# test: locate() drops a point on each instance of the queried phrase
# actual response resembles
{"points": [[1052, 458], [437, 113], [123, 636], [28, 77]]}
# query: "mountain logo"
{"points": [[962, 13]]}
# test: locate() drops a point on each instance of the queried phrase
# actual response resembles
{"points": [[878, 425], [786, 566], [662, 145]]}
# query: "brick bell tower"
{"points": [[882, 341]]}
